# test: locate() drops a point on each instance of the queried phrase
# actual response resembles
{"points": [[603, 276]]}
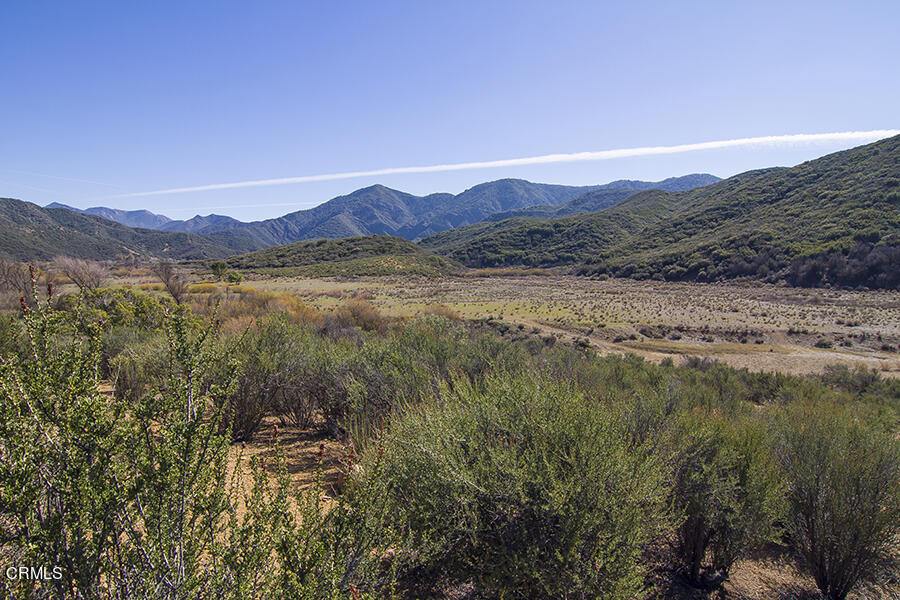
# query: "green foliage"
{"points": [[844, 492], [59, 439], [139, 501], [524, 488], [10, 332], [218, 269], [139, 368], [727, 489], [517, 468], [370, 255], [833, 220]]}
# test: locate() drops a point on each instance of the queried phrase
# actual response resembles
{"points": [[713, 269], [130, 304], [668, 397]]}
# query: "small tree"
{"points": [[218, 269], [844, 493], [174, 281], [86, 274]]}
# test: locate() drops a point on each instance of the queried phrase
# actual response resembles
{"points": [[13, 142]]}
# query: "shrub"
{"points": [[442, 310], [844, 492], [9, 334], [114, 341], [203, 288], [59, 439], [141, 501], [360, 313], [728, 491], [521, 488], [139, 368], [283, 369]]}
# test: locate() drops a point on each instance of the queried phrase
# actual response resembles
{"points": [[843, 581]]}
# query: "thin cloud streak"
{"points": [[779, 140]]}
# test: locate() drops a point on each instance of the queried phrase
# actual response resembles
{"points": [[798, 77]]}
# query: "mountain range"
{"points": [[29, 232], [378, 210], [130, 218], [834, 220]]}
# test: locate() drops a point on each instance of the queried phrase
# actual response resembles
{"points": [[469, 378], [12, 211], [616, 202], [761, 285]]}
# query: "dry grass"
{"points": [[758, 326]]}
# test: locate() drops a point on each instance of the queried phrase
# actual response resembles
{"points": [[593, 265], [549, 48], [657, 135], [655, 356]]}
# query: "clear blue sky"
{"points": [[106, 98]]}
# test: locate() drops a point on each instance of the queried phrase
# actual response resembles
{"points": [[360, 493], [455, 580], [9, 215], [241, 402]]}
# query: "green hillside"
{"points": [[366, 255], [29, 232], [833, 220]]}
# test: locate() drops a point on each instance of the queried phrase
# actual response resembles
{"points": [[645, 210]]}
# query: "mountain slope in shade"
{"points": [[130, 218], [29, 232], [835, 220]]}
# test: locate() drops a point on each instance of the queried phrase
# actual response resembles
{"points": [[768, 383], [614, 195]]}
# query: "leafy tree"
{"points": [[218, 269]]}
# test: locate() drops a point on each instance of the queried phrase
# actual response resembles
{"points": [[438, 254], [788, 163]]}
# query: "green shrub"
{"points": [[10, 330], [266, 359], [141, 500], [523, 489], [844, 492], [727, 490], [60, 442], [115, 340], [139, 368], [218, 269]]}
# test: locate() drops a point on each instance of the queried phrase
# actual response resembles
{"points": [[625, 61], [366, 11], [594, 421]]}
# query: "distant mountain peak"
{"points": [[131, 218]]}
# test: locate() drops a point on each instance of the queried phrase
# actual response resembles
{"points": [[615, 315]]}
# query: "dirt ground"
{"points": [[758, 326]]}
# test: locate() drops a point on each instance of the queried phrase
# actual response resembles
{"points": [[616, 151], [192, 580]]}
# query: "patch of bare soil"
{"points": [[775, 574], [310, 457]]}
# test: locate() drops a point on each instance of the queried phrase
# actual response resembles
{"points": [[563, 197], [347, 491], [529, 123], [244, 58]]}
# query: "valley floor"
{"points": [[748, 325]]}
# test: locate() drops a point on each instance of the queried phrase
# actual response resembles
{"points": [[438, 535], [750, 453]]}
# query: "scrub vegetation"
{"points": [[454, 460]]}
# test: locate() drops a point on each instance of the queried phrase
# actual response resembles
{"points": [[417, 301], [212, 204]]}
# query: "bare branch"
{"points": [[176, 284], [86, 274]]}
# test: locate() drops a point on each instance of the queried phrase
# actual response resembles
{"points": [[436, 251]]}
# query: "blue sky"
{"points": [[105, 99]]}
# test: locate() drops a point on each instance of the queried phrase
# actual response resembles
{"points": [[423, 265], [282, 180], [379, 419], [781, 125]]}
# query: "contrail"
{"points": [[803, 138]]}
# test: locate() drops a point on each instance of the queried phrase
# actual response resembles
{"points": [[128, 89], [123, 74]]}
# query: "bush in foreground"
{"points": [[522, 488], [728, 491], [844, 493]]}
